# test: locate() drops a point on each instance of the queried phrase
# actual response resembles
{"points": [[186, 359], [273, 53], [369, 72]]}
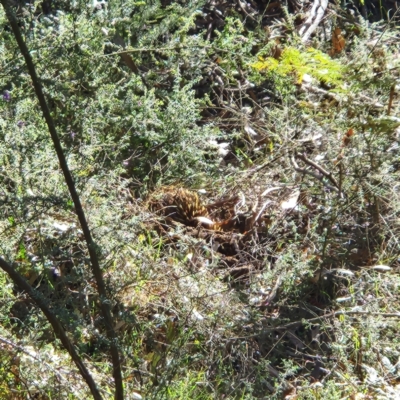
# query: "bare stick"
{"points": [[320, 177], [391, 96], [319, 168], [104, 301]]}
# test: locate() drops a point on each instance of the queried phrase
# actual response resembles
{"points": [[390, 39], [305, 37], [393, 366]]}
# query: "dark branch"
{"points": [[55, 323], [105, 303]]}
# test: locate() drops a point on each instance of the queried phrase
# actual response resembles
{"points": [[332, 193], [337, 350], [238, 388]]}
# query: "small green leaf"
{"points": [[21, 256]]}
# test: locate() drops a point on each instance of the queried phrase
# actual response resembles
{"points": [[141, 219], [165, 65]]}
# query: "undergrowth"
{"points": [[298, 298]]}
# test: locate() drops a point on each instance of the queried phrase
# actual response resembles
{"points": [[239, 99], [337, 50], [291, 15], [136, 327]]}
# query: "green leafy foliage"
{"points": [[296, 63]]}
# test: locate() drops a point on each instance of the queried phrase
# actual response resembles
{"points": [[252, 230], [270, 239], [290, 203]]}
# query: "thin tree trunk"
{"points": [[104, 302]]}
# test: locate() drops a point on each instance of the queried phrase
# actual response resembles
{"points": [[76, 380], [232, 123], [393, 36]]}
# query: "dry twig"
{"points": [[317, 12], [320, 176]]}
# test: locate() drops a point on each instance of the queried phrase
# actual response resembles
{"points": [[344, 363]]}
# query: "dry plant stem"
{"points": [[323, 171], [240, 4], [320, 177], [260, 212], [104, 302], [391, 96], [316, 14], [55, 323], [273, 293], [383, 32], [341, 174], [307, 87]]}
